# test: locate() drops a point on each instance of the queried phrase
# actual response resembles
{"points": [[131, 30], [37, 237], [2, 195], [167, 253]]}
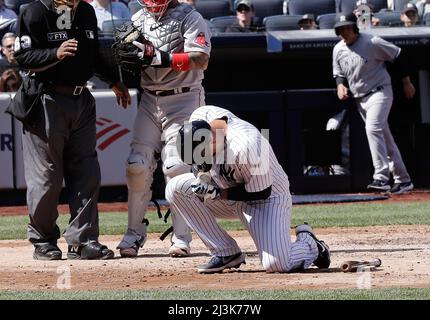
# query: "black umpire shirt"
{"points": [[41, 32]]}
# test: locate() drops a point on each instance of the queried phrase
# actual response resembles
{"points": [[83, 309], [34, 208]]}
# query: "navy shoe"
{"points": [[323, 259], [379, 185], [218, 264], [402, 187], [90, 251], [47, 252]]}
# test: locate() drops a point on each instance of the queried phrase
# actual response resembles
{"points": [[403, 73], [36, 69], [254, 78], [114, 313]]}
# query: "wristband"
{"points": [[180, 62]]}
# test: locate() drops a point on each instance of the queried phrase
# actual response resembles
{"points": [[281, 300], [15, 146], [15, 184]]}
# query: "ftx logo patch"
{"points": [[57, 36]]}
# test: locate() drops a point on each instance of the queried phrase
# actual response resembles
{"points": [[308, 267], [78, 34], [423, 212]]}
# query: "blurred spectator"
{"points": [[365, 8], [423, 7], [106, 10], [190, 2], [8, 51], [10, 81], [307, 22], [5, 13], [246, 21], [409, 15]]}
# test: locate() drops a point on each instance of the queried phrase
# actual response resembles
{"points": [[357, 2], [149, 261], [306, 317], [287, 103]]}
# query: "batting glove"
{"points": [[205, 191]]}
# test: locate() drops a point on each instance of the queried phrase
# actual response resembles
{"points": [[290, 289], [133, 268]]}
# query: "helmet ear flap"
{"points": [[193, 138]]}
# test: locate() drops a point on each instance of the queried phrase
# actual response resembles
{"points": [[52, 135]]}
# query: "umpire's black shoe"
{"points": [[323, 259], [379, 185], [47, 252], [218, 264], [90, 251]]}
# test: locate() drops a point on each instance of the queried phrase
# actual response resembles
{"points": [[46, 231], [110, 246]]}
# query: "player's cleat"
{"points": [[129, 252], [47, 252], [91, 251], [379, 185], [323, 259], [218, 264], [402, 187], [176, 251]]}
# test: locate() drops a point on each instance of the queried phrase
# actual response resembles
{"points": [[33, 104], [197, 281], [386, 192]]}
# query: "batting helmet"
{"points": [[345, 19], [193, 143]]}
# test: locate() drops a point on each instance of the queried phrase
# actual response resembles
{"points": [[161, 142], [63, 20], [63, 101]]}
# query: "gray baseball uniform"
{"points": [[168, 99], [247, 159], [363, 65]]}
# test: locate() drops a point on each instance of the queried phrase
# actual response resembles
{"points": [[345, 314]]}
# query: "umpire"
{"points": [[58, 43]]}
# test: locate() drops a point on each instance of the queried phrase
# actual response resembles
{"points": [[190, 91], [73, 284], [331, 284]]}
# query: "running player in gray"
{"points": [[239, 177], [172, 91], [359, 63]]}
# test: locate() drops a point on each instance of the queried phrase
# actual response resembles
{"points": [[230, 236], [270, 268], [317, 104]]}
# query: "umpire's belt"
{"points": [[163, 93], [68, 90], [378, 88]]}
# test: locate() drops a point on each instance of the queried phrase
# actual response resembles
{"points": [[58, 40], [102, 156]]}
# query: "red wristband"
{"points": [[180, 61]]}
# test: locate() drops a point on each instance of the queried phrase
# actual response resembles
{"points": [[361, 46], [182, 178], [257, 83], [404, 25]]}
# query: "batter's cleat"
{"points": [[47, 252], [379, 185], [176, 251], [402, 187], [218, 264], [90, 251], [323, 259]]}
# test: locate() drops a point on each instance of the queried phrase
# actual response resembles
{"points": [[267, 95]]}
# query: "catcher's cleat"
{"points": [[91, 251], [323, 259], [379, 185], [176, 251], [47, 252], [402, 187], [218, 264], [129, 252]]}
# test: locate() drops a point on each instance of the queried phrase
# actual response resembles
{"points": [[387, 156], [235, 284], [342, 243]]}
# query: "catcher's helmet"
{"points": [[345, 19], [193, 143], [156, 7]]}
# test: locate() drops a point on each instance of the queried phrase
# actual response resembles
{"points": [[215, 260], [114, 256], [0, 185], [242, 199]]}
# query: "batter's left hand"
{"points": [[122, 95], [409, 90]]}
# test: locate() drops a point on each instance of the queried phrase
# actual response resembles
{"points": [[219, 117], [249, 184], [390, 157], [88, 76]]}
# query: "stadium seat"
{"points": [[15, 4], [345, 5], [282, 22], [317, 7], [219, 24], [399, 4], [265, 8], [213, 8], [134, 6], [389, 18], [109, 27], [326, 21]]}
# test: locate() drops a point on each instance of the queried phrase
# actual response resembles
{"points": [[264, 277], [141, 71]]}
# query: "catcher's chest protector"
{"points": [[166, 34]]}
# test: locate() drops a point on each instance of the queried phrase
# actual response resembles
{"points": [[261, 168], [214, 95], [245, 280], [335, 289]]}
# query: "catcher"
{"points": [[168, 43]]}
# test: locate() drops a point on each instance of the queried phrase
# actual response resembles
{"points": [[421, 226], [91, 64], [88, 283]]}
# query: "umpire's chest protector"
{"points": [[165, 34]]}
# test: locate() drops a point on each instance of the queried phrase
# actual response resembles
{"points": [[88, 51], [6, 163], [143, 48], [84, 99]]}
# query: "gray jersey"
{"points": [[248, 157], [363, 63], [181, 29]]}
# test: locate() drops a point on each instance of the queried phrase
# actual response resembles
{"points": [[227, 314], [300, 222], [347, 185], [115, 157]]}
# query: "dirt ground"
{"points": [[404, 251]]}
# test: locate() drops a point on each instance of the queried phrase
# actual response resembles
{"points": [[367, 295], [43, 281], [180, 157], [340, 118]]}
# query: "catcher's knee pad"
{"points": [[173, 166], [140, 167]]}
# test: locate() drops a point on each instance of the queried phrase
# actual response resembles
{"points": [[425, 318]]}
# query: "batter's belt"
{"points": [[163, 93]]}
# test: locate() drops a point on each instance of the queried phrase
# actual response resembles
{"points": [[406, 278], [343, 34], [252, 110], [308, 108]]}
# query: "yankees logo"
{"points": [[227, 173]]}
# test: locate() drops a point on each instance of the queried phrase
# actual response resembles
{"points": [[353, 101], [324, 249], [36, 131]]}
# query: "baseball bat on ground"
{"points": [[353, 266]]}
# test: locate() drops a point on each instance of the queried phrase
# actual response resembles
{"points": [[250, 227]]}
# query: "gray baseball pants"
{"points": [[386, 157], [66, 151]]}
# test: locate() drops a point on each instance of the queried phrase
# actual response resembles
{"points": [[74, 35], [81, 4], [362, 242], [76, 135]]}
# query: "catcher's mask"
{"points": [[193, 143], [157, 8]]}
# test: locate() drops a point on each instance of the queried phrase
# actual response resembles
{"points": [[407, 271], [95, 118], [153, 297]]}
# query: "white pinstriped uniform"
{"points": [[268, 221]]}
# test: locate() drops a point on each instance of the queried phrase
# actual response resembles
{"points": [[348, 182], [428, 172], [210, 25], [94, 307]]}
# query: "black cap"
{"points": [[345, 19], [409, 7]]}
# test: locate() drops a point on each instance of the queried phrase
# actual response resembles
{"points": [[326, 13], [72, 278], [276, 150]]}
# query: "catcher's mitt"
{"points": [[127, 55]]}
